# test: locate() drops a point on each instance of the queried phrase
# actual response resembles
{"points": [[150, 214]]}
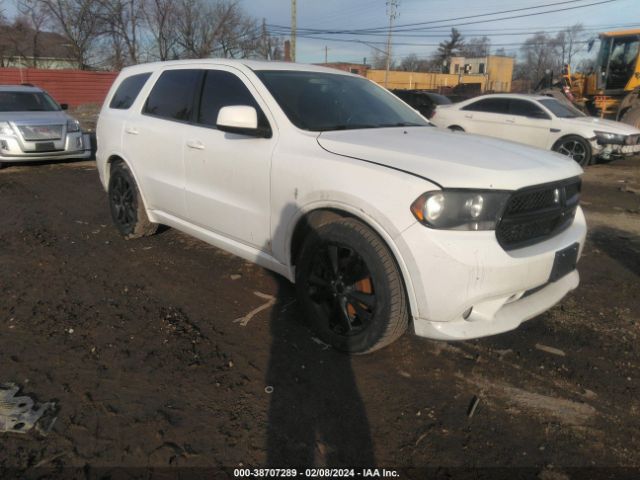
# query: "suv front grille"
{"points": [[33, 133], [536, 213]]}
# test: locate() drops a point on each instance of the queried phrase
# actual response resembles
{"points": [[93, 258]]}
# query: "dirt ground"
{"points": [[146, 350]]}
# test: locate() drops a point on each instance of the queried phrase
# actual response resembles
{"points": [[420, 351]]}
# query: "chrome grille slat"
{"points": [[34, 133]]}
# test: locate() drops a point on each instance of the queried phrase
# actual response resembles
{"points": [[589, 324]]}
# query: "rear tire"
{"points": [[456, 128], [126, 205], [350, 287], [576, 148]]}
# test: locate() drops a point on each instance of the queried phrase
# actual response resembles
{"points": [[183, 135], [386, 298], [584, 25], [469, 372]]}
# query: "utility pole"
{"points": [[392, 12], [294, 26], [326, 54]]}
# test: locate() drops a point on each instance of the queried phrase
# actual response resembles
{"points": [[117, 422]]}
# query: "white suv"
{"points": [[381, 220]]}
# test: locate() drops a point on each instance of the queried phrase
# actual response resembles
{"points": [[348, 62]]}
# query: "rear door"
{"points": [[228, 175], [153, 139], [530, 123], [487, 116]]}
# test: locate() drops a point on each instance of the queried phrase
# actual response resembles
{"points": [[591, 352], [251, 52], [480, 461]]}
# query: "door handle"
{"points": [[132, 130], [468, 115], [195, 144], [509, 120]]}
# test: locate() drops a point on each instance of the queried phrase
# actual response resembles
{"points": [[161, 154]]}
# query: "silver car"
{"points": [[34, 127]]}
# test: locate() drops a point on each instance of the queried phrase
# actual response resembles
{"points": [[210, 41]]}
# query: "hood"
{"points": [[453, 160], [26, 118], [603, 125]]}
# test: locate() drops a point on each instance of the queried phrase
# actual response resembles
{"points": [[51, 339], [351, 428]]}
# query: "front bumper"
{"points": [[75, 145], [454, 271], [610, 150]]}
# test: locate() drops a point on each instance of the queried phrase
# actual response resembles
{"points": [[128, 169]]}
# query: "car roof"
{"points": [[255, 65], [521, 96], [19, 88]]}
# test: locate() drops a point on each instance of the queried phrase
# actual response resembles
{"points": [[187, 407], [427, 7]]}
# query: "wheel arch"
{"points": [[320, 215], [117, 158]]}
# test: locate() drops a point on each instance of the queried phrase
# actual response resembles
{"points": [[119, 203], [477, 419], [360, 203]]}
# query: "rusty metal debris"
{"points": [[21, 414]]}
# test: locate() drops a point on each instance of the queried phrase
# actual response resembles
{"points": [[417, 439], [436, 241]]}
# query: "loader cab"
{"points": [[619, 62]]}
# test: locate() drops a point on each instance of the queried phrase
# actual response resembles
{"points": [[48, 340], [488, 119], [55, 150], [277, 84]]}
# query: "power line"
{"points": [[403, 28]]}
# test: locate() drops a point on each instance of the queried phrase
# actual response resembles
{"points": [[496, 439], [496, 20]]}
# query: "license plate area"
{"points": [[45, 146], [564, 262]]}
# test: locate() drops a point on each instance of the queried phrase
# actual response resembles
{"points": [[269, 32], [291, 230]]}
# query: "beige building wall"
{"points": [[421, 80], [497, 75], [500, 73]]}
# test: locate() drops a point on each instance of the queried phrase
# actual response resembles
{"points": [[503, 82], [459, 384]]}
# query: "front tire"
{"points": [[126, 205], [350, 287], [574, 147], [456, 128]]}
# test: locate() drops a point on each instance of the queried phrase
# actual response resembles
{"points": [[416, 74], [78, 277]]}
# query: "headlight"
{"points": [[73, 126], [608, 137], [5, 129], [460, 209]]}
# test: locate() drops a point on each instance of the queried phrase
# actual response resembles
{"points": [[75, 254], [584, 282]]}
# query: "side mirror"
{"points": [[64, 106], [240, 119]]}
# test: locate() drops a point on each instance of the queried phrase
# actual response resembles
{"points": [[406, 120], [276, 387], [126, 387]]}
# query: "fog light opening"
{"points": [[4, 145], [467, 313]]}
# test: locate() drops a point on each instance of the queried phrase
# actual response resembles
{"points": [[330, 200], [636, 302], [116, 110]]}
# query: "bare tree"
{"points": [[568, 43], [33, 16], [80, 21], [267, 46], [476, 47], [538, 55], [161, 19], [121, 22], [413, 63]]}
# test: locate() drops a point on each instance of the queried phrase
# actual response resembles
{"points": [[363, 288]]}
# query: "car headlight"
{"points": [[73, 126], [5, 129], [460, 209], [608, 137]]}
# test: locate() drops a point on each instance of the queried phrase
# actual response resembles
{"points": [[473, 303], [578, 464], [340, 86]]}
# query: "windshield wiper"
{"points": [[345, 127], [401, 124]]}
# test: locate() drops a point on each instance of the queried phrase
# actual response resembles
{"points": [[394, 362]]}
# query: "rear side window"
{"points": [[489, 105], [173, 94], [224, 89], [128, 91], [525, 108]]}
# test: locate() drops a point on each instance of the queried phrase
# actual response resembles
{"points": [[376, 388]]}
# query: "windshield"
{"points": [[27, 102], [561, 110], [325, 101]]}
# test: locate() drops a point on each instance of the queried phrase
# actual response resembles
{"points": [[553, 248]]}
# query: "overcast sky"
{"points": [[358, 14]]}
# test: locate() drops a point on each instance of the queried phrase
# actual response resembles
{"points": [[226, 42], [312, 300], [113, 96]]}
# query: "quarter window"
{"points": [[128, 91], [173, 94], [489, 105], [224, 89]]}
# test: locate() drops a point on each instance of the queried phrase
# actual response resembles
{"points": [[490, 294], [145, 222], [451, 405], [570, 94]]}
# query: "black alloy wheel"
{"points": [[350, 287], [126, 205], [341, 289], [122, 198]]}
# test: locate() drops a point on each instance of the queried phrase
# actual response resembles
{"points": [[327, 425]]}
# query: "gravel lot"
{"points": [[144, 347]]}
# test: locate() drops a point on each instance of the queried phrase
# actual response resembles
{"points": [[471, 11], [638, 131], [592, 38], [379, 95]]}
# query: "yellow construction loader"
{"points": [[613, 89]]}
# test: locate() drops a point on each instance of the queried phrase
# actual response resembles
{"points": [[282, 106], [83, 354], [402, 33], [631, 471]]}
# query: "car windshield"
{"points": [[325, 101], [561, 110], [27, 102]]}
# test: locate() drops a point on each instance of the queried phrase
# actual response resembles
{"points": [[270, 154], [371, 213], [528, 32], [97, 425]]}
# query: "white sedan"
{"points": [[542, 122]]}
